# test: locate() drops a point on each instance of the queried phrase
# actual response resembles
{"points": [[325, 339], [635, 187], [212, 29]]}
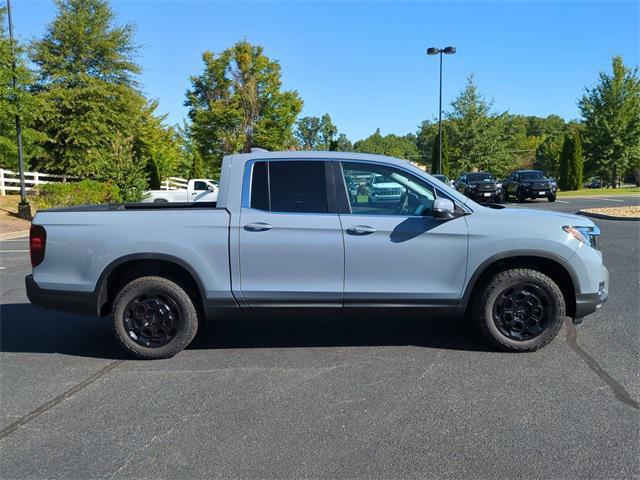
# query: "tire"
{"points": [[551, 198], [173, 316], [490, 313], [520, 198], [161, 200], [499, 199], [506, 196]]}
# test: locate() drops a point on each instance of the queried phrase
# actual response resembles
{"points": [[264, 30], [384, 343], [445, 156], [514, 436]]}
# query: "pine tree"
{"points": [[86, 85], [577, 161], [435, 158], [567, 174]]}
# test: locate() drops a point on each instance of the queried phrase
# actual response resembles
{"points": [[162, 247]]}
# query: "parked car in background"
{"points": [[198, 190], [384, 189], [444, 179], [481, 186], [594, 183], [285, 237], [525, 184]]}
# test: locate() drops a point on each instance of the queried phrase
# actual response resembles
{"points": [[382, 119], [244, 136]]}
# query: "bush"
{"points": [[85, 192]]}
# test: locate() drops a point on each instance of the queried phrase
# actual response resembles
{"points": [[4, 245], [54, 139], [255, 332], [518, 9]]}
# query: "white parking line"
{"points": [[9, 251], [611, 200], [562, 201]]}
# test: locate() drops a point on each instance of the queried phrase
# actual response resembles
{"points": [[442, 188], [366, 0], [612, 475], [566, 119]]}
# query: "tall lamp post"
{"points": [[436, 51], [24, 209]]}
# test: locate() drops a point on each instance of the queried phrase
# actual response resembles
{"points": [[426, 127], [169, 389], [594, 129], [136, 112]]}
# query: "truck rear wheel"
{"points": [[154, 317], [519, 310]]}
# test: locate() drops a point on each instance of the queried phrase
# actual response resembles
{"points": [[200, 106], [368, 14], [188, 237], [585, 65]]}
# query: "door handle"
{"points": [[361, 230], [258, 227]]}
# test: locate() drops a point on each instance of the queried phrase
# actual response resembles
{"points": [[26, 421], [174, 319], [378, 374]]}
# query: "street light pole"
{"points": [[440, 51], [24, 209]]}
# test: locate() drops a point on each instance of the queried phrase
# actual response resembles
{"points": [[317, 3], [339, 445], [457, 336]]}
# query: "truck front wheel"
{"points": [[154, 317], [519, 310]]}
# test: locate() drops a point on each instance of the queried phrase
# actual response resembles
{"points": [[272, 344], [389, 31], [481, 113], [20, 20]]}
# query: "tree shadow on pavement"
{"points": [[24, 328]]}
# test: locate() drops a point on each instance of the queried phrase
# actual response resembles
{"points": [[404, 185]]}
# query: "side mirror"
{"points": [[211, 188], [443, 208]]}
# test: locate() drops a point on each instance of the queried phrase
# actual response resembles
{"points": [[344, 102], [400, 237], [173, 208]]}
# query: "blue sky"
{"points": [[365, 63]]}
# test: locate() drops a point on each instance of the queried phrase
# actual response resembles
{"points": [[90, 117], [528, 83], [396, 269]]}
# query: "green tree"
{"points": [[548, 155], [577, 161], [120, 167], [477, 135], [611, 113], [308, 132], [237, 103], [391, 145], [435, 156], [315, 133], [86, 85], [567, 172], [20, 100], [427, 132], [343, 144], [328, 132]]}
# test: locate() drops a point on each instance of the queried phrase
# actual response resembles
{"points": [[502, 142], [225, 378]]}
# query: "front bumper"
{"points": [[588, 303], [482, 194], [79, 303], [536, 192]]}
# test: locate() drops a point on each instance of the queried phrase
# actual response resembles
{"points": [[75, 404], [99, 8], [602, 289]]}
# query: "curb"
{"points": [[627, 195], [602, 216], [12, 235]]}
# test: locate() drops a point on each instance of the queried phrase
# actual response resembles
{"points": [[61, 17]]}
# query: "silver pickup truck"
{"points": [[287, 235]]}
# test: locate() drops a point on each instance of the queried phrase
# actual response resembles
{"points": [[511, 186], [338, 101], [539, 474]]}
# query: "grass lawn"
{"points": [[602, 192]]}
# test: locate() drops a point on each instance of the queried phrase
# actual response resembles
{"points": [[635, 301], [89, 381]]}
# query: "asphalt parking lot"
{"points": [[291, 399]]}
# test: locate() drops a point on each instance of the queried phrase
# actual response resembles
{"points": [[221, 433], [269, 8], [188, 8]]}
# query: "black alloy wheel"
{"points": [[520, 312], [152, 319]]}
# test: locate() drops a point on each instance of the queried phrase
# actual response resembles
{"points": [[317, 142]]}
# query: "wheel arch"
{"points": [[129, 267], [554, 266]]}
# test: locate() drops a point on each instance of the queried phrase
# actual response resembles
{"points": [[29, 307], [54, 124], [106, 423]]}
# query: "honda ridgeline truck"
{"points": [[285, 235]]}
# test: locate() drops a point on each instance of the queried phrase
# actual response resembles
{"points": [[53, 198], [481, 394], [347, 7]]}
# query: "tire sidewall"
{"points": [[186, 312]]}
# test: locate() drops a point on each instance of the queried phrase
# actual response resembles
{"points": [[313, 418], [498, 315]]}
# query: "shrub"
{"points": [[85, 192]]}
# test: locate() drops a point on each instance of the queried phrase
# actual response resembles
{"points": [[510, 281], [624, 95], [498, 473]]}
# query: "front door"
{"points": [[396, 252], [291, 247]]}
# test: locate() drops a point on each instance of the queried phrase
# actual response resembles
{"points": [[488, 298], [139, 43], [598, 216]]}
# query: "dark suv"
{"points": [[481, 186], [525, 184]]}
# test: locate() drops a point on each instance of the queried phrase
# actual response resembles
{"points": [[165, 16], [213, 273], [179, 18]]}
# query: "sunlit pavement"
{"points": [[381, 398]]}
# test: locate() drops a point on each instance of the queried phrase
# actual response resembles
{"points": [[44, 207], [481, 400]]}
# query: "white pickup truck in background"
{"points": [[198, 190]]}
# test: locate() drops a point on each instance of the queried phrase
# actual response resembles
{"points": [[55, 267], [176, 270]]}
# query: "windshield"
{"points": [[480, 177], [536, 175]]}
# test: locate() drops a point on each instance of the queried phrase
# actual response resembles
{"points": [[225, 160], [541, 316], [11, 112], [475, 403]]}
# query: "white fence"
{"points": [[174, 183], [10, 180]]}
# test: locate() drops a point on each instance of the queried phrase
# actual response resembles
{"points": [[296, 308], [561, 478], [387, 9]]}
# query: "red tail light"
{"points": [[37, 243]]}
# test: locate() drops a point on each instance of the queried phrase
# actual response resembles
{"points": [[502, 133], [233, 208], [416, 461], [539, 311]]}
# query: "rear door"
{"points": [[291, 247], [396, 252]]}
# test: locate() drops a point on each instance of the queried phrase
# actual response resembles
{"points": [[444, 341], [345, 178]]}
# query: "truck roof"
{"points": [[265, 155]]}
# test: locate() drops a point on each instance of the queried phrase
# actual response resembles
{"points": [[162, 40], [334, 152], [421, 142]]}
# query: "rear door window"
{"points": [[295, 186]]}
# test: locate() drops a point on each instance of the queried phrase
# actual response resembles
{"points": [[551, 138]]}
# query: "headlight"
{"points": [[472, 186], [587, 235], [498, 185]]}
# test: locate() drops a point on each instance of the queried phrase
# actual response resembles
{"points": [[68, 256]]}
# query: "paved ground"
{"points": [[292, 399]]}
